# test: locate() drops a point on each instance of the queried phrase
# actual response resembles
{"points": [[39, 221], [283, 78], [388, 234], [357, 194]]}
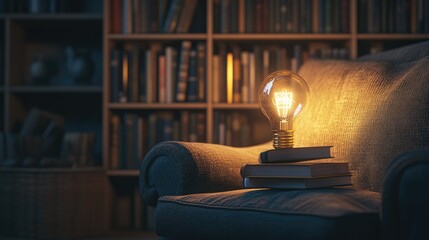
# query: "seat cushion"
{"points": [[333, 213]]}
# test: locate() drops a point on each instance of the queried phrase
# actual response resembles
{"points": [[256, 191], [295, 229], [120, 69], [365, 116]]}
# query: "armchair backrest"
{"points": [[370, 109]]}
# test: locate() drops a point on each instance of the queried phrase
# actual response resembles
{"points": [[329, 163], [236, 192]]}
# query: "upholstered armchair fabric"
{"points": [[177, 168]]}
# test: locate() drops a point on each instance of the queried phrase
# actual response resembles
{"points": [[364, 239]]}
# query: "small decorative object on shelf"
{"points": [[42, 69], [283, 96], [80, 65]]}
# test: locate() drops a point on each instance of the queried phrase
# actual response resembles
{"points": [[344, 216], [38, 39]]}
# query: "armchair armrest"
{"points": [[405, 197], [177, 168]]}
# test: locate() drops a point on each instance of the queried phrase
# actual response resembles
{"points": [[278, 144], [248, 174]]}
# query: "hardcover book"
{"points": [[295, 154], [308, 169], [296, 183]]}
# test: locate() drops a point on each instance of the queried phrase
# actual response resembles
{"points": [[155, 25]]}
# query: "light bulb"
{"points": [[283, 96]]}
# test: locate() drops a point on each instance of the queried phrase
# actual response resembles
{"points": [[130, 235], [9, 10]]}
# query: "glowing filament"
{"points": [[283, 102]]}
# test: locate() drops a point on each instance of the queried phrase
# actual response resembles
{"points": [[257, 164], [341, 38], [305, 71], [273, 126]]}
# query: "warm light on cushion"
{"points": [[369, 111]]}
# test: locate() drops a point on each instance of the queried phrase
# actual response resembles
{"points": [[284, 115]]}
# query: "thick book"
{"points": [[296, 183], [295, 154], [307, 169]]}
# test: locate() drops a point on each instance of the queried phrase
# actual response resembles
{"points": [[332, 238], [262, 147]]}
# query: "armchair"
{"points": [[373, 110]]}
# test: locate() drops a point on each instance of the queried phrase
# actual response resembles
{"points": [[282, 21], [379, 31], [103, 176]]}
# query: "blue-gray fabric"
{"points": [[405, 211], [271, 214], [177, 168]]}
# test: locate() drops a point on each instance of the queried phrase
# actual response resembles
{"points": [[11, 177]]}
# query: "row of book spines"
{"points": [[232, 129], [162, 75], [237, 74], [154, 16], [400, 16], [281, 16], [132, 134]]}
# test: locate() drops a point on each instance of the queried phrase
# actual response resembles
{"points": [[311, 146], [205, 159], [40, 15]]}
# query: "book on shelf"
{"points": [[295, 154], [232, 129], [132, 134], [291, 16], [192, 85], [154, 16], [237, 72], [158, 73], [307, 169], [297, 183], [172, 17], [182, 81], [186, 16]]}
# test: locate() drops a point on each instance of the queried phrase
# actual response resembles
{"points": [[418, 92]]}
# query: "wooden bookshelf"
{"points": [[22, 36]]}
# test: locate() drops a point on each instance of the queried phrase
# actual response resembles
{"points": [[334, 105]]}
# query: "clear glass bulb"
{"points": [[283, 96]]}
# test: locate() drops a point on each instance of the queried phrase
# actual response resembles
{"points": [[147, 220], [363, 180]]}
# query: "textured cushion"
{"points": [[370, 111], [336, 213], [176, 168]]}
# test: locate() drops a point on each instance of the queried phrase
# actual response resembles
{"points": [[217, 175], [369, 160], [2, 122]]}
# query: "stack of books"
{"points": [[296, 168]]}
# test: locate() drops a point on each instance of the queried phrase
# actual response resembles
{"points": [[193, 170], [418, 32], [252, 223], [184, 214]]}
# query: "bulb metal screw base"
{"points": [[283, 139]]}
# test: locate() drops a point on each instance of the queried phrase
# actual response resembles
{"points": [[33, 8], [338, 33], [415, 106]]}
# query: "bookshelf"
{"points": [[35, 68], [336, 27]]}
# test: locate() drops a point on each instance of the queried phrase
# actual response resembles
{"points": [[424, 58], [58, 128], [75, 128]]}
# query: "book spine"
{"points": [[144, 17], [186, 16], [125, 77], [250, 15], [237, 81], [162, 10], [114, 78], [216, 16], [201, 71], [222, 73], [172, 16], [246, 79], [252, 79], [115, 123], [169, 60], [142, 74], [229, 77], [192, 86], [162, 88], [225, 21], [183, 71], [184, 118], [216, 79], [241, 16], [116, 16]]}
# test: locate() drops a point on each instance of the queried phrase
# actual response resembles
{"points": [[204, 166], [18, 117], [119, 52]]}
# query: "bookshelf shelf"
{"points": [[276, 36], [391, 36], [56, 89], [57, 16], [123, 173], [171, 106], [160, 36], [51, 170], [220, 106]]}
